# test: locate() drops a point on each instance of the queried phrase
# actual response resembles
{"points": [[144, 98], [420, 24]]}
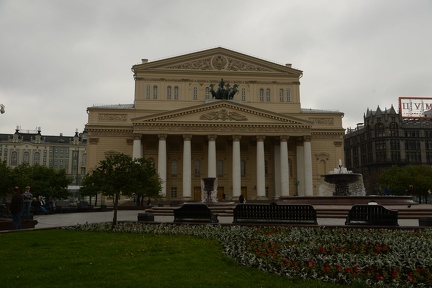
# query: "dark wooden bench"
{"points": [[64, 207], [195, 213], [367, 214], [84, 206], [275, 214]]}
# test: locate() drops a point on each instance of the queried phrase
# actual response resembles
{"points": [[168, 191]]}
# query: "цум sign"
{"points": [[415, 107]]}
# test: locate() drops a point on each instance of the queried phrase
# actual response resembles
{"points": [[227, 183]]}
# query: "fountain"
{"points": [[341, 182], [209, 186]]}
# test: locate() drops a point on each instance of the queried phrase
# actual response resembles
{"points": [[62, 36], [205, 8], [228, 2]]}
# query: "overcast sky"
{"points": [[59, 57]]}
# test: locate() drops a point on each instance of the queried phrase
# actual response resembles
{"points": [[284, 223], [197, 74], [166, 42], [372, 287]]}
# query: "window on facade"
{"points": [[195, 93], [379, 130], [261, 95], [411, 133], [412, 156], [243, 168], [207, 93], [84, 160], [176, 93], [428, 133], [393, 130], [429, 157], [268, 95], [288, 95], [155, 92], [220, 168], [243, 94], [26, 158], [412, 145], [174, 168], [394, 144], [380, 156], [395, 156], [148, 92], [36, 157], [169, 92], [281, 95], [173, 192], [14, 158], [380, 145], [197, 168]]}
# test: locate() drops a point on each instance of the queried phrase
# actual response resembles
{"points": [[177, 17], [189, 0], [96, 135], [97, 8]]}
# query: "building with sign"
{"points": [[219, 113], [387, 138]]}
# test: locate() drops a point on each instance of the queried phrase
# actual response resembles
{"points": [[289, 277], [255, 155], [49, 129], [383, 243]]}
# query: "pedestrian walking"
{"points": [[16, 208]]}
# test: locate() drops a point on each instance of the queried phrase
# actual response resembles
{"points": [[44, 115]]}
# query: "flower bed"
{"points": [[377, 257]]}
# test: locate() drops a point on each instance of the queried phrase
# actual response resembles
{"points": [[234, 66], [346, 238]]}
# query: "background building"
{"points": [[385, 138], [260, 142], [57, 152]]}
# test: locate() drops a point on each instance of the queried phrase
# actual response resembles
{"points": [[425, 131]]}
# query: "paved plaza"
{"points": [[69, 219]]}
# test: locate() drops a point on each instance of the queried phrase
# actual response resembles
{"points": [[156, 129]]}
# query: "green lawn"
{"points": [[65, 258]]}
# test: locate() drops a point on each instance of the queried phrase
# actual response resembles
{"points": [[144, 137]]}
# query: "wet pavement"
{"points": [[70, 219]]}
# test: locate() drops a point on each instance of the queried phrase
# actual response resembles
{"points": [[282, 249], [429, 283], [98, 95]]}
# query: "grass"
{"points": [[66, 258]]}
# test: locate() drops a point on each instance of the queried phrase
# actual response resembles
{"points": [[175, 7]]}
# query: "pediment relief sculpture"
{"points": [[223, 115], [219, 62]]}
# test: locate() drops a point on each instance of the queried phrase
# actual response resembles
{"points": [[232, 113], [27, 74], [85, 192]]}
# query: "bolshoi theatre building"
{"points": [[220, 113]]}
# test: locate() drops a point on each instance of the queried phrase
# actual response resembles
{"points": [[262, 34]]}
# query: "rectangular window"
{"points": [[243, 94], [148, 92], [281, 95], [169, 92], [268, 95], [173, 192], [288, 95]]}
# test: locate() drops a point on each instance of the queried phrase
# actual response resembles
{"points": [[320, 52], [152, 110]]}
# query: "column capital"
{"points": [[307, 138], [187, 137], [299, 141], [162, 136], [212, 137], [137, 136], [284, 138], [260, 137], [236, 137]]}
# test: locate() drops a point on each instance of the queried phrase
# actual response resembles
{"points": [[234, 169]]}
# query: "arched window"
{"points": [[268, 95], [169, 92], [220, 168], [148, 92], [195, 93], [281, 95], [36, 157], [243, 168], [243, 94], [176, 93], [155, 92], [26, 158], [174, 168], [14, 158], [379, 130], [288, 95], [261, 95], [197, 168]]}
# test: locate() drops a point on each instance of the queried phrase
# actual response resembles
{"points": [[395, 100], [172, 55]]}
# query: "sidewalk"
{"points": [[70, 219]]}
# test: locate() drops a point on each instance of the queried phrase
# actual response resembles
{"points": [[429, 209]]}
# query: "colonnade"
{"points": [[304, 164]]}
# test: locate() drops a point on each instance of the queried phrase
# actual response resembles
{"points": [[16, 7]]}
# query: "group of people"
{"points": [[24, 205]]}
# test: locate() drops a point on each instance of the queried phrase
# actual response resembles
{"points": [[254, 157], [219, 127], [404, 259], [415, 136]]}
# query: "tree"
{"points": [[6, 179], [42, 180], [120, 174], [400, 178]]}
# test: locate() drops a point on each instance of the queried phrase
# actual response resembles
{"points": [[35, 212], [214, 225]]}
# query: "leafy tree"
{"points": [[120, 174], [400, 178], [6, 179], [42, 180]]}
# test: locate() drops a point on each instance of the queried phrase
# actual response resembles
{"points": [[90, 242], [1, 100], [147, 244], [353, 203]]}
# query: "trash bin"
{"points": [[145, 216]]}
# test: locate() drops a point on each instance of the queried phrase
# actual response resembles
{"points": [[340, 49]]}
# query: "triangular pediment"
{"points": [[221, 112], [216, 59]]}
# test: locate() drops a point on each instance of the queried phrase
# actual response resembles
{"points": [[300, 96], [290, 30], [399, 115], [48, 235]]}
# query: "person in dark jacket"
{"points": [[16, 208]]}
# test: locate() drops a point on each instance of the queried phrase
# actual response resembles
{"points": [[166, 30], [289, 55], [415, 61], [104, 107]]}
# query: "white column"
{"points": [[284, 166], [300, 168], [162, 162], [236, 174], [137, 147], [187, 167], [211, 168], [260, 168], [277, 170], [308, 166]]}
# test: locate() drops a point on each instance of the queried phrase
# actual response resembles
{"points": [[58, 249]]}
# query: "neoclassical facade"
{"points": [[259, 142]]}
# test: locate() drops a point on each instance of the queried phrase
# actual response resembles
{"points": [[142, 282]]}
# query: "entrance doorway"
{"points": [[220, 193], [197, 193], [244, 191]]}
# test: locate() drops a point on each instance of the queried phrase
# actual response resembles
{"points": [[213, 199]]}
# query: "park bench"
{"points": [[366, 214], [62, 206], [84, 206], [195, 213], [275, 214]]}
